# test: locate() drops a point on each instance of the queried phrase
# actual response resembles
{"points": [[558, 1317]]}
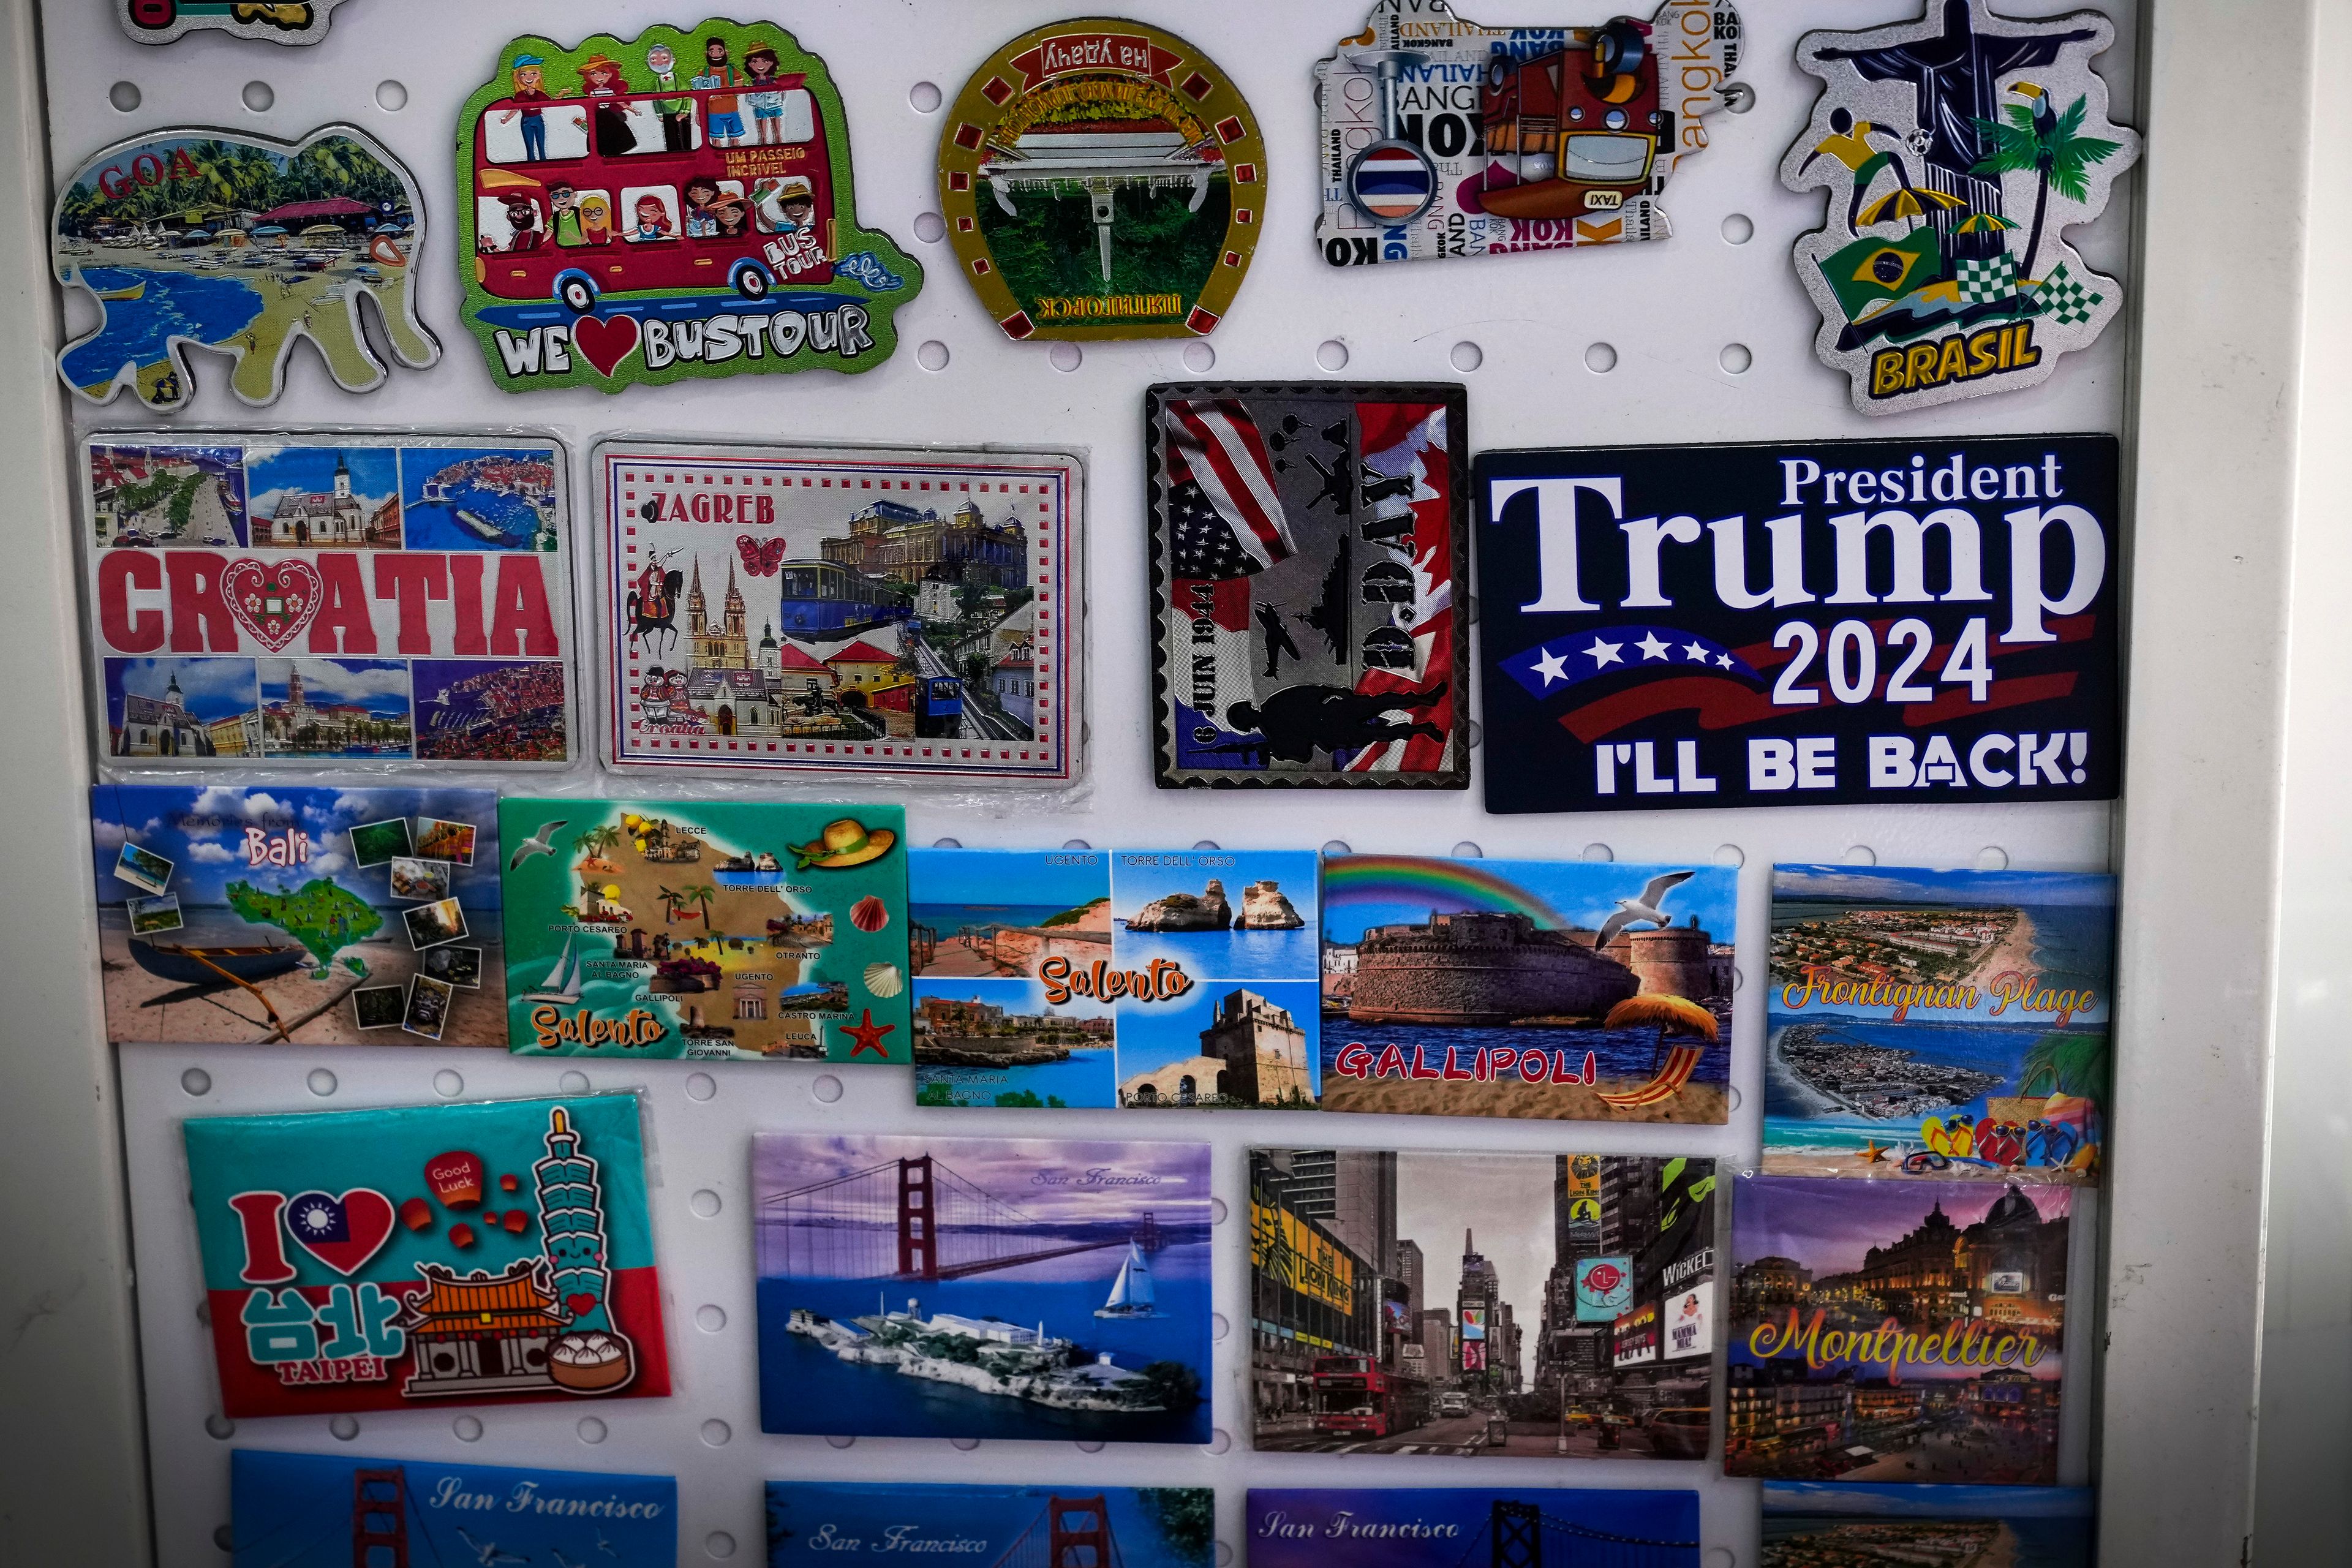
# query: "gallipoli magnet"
{"points": [[1444, 138], [1102, 179], [213, 239], [838, 610], [982, 1288], [1577, 1323], [488, 1254], [1883, 1524], [323, 1510], [1151, 979], [278, 21], [1956, 151], [1433, 1527], [1578, 990], [320, 599], [719, 931], [1861, 621], [1150, 1527], [247, 916], [679, 204], [1306, 540]]}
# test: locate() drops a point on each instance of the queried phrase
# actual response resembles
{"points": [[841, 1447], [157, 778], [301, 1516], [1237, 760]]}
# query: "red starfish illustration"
{"points": [[867, 1034]]}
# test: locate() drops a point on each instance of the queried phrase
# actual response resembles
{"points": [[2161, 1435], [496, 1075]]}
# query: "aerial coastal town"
{"points": [[1934, 945], [1881, 1081]]}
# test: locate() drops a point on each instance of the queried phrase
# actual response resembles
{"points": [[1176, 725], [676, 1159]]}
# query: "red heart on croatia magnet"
{"points": [[604, 343], [343, 1232], [272, 602]]}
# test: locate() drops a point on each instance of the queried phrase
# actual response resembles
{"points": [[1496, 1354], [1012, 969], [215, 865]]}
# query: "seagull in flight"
{"points": [[604, 1545], [563, 1562], [1648, 906], [540, 843], [489, 1556]]}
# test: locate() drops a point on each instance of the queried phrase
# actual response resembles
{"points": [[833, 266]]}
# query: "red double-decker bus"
{"points": [[1574, 130], [1353, 1397]]}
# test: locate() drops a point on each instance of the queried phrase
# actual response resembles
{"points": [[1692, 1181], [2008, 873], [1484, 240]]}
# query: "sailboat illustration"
{"points": [[562, 983], [1131, 1293]]}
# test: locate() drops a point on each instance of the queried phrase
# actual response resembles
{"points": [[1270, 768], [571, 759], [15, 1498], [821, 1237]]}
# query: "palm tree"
{"points": [[2063, 1061], [2048, 144], [701, 894], [671, 904]]}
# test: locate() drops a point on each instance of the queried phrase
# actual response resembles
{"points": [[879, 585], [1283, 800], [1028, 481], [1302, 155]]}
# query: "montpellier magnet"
{"points": [[275, 21]]}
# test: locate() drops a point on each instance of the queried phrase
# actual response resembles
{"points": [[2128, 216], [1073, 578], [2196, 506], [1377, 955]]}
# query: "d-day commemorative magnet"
{"points": [[1956, 151], [1102, 179], [276, 21], [215, 239], [1443, 139], [679, 204]]}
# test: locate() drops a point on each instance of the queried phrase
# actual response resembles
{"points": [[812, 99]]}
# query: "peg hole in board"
{"points": [[719, 1544], [825, 1090], [591, 1431], [321, 1082], [1861, 855], [225, 1538], [1336, 847], [392, 97], [1466, 357], [344, 1427], [1219, 1325], [1738, 229], [448, 1084], [1601, 359], [965, 1444], [1331, 354], [1993, 857], [124, 95], [1465, 850], [705, 1204], [716, 1433], [840, 1442], [1066, 357], [1735, 359], [1076, 844], [924, 98], [701, 1085], [932, 354], [1207, 844], [930, 227], [1200, 358], [709, 1319], [468, 1429], [574, 1082], [220, 1428], [947, 843], [258, 97], [1599, 852], [1217, 1211], [196, 1081], [1087, 1446], [1730, 855], [1220, 1440]]}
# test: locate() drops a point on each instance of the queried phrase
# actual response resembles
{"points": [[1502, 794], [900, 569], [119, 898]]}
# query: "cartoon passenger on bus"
{"points": [[700, 193], [563, 213], [595, 218], [652, 219], [600, 79], [767, 102], [724, 124], [677, 113], [522, 219], [784, 206], [529, 72]]}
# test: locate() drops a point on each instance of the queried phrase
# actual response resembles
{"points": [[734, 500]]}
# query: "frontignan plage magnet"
{"points": [[1956, 149], [272, 21], [1102, 179]]}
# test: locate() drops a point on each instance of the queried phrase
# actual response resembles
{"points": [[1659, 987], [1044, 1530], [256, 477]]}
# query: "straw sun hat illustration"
{"points": [[844, 842]]}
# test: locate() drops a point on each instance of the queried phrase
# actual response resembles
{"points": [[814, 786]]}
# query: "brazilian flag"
{"points": [[1870, 270]]}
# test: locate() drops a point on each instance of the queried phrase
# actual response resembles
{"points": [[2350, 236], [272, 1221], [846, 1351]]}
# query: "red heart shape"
{"points": [[578, 1302], [604, 343], [343, 1232], [272, 602]]}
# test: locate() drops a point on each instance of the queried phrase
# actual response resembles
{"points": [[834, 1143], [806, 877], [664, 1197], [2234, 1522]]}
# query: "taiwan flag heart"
{"points": [[604, 343], [343, 1232], [272, 602], [760, 560]]}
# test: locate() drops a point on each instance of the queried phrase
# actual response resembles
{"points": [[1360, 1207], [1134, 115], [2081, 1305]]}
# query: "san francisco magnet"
{"points": [[1102, 179]]}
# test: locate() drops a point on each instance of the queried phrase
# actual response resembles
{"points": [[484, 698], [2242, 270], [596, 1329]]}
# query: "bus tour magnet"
{"points": [[676, 205], [1956, 149], [219, 240], [1103, 179], [276, 21], [1445, 139]]}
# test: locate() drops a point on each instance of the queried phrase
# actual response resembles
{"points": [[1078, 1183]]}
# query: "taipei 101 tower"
{"points": [[592, 1357]]}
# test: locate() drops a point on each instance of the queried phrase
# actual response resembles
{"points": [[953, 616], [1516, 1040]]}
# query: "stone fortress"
{"points": [[1499, 967], [1253, 1053]]}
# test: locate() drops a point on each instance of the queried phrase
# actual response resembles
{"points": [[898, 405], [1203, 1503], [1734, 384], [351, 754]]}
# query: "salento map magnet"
{"points": [[335, 915], [815, 610], [487, 1254], [322, 1510], [1433, 1527], [1860, 621], [222, 240], [982, 1288], [1136, 1527], [278, 21], [1956, 151], [1102, 179], [1444, 138], [1367, 1338], [679, 203], [1306, 544], [1135, 978], [299, 598], [722, 931], [1579, 990]]}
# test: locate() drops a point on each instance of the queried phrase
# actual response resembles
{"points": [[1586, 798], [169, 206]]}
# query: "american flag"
{"points": [[1223, 508]]}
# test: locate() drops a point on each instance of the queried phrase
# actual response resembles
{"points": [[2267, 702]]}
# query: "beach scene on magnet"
{"points": [[270, 21], [234, 243], [982, 1288], [320, 1511], [1307, 542], [1444, 138], [1439, 1527], [1949, 1025], [428, 1256], [1101, 178], [1817, 1524], [813, 610], [1141, 1527], [679, 204], [1956, 151], [1579, 1321], [234, 913], [716, 931], [329, 598], [1576, 990], [1903, 1332], [1136, 979]]}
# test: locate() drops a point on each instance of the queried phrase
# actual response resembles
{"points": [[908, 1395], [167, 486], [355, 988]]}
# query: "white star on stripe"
{"points": [[1724, 659], [1552, 667], [1603, 653], [1697, 651], [1651, 647]]}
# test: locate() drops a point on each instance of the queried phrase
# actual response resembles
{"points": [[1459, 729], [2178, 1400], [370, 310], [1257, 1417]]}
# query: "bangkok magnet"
{"points": [[679, 204], [1443, 139], [1956, 149], [1102, 179], [215, 239], [274, 21]]}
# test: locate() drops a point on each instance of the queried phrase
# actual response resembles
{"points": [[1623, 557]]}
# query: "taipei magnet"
{"points": [[218, 240], [1102, 179], [276, 21], [1443, 139], [679, 204], [1956, 149]]}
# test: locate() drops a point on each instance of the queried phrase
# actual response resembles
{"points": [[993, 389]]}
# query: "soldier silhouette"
{"points": [[1277, 641], [1296, 720]]}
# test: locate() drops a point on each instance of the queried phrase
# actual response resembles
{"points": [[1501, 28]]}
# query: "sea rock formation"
{"points": [[1265, 907], [1183, 911]]}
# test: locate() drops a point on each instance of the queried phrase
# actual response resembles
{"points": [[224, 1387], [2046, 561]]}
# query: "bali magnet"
{"points": [[1102, 179], [1443, 139], [677, 205], [219, 240], [1956, 149], [276, 21]]}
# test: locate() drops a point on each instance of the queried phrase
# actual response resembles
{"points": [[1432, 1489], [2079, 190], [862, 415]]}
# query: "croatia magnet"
{"points": [[1102, 179], [273, 21], [679, 204], [1956, 150], [219, 240], [1443, 139]]}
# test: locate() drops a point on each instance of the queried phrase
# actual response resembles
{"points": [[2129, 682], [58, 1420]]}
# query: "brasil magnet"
{"points": [[1102, 179]]}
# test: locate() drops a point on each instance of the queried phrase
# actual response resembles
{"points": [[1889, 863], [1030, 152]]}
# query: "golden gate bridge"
{"points": [[1068, 1533]]}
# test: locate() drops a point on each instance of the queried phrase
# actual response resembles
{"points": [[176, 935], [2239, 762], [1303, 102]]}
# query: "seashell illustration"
{"points": [[869, 913], [884, 979]]}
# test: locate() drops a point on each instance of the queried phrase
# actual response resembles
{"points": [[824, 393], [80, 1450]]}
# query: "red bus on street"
{"points": [[1353, 1397]]}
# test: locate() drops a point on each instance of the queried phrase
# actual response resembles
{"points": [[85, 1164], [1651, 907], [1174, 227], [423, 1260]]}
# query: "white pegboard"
{"points": [[1668, 310]]}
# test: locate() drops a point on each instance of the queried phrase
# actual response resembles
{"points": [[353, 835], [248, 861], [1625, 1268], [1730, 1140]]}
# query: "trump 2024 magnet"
{"points": [[1956, 150], [1102, 179]]}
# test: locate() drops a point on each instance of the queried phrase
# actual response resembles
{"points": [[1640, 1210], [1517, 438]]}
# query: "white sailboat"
{"points": [[562, 983], [1131, 1293]]}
